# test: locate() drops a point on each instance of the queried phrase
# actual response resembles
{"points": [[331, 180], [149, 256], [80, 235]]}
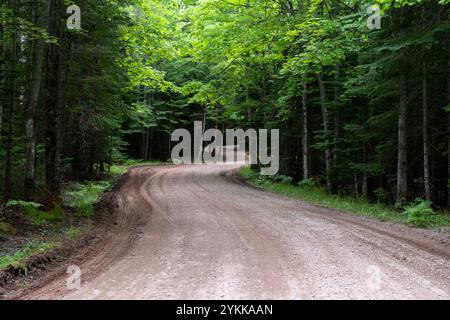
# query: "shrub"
{"points": [[83, 197], [37, 216], [30, 249], [40, 218], [282, 178], [307, 183], [418, 213], [118, 170], [23, 204]]}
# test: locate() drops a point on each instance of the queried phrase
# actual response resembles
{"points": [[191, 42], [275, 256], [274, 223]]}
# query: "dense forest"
{"points": [[363, 111]]}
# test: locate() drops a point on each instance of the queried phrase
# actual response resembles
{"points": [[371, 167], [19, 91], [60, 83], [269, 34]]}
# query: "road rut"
{"points": [[199, 232]]}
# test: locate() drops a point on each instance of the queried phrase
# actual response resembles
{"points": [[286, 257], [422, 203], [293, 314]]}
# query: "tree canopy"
{"points": [[363, 112]]}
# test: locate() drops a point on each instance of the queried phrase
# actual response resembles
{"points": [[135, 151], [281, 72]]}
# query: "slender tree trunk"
{"points": [[9, 145], [249, 110], [2, 78], [305, 136], [337, 96], [35, 85], [147, 142], [53, 85], [426, 142], [448, 131], [1, 116], [326, 125], [10, 111], [365, 182], [110, 150], [150, 155], [402, 161]]}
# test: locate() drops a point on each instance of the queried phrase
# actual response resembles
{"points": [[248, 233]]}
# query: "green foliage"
{"points": [[248, 174], [118, 170], [42, 218], [37, 216], [30, 249], [140, 69], [281, 178], [418, 213], [83, 197], [23, 204], [307, 183]]}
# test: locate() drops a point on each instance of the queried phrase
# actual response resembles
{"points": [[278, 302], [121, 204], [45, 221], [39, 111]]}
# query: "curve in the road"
{"points": [[198, 232]]}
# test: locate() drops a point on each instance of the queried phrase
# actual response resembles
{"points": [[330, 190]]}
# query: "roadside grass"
{"points": [[417, 214], [30, 249], [134, 162], [83, 197], [122, 168], [35, 246], [42, 218]]}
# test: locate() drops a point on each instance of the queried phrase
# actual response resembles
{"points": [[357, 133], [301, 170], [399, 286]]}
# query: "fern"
{"points": [[418, 213], [23, 204]]}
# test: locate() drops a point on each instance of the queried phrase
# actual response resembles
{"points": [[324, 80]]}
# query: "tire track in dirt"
{"points": [[199, 232]]}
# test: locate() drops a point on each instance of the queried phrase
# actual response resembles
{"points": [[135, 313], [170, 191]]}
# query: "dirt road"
{"points": [[198, 232]]}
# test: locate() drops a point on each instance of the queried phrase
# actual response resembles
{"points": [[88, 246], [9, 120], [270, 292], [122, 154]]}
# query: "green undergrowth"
{"points": [[36, 246], [122, 168], [17, 260], [417, 213], [36, 214], [83, 197]]}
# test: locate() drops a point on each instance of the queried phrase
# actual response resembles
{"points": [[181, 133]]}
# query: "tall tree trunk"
{"points": [[11, 94], [1, 115], [326, 129], [365, 179], [150, 155], [448, 131], [9, 144], [305, 136], [402, 161], [355, 177], [249, 109], [53, 85], [426, 142], [2, 78], [35, 85], [337, 96], [147, 143], [110, 150]]}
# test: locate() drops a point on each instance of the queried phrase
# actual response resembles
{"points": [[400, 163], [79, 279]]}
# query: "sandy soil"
{"points": [[198, 232]]}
